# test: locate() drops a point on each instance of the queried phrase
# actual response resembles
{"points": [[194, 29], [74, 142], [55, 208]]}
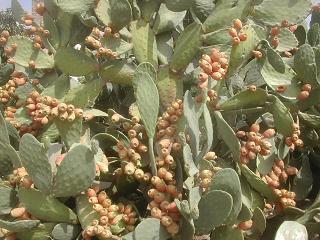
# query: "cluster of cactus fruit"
{"points": [[140, 120]]}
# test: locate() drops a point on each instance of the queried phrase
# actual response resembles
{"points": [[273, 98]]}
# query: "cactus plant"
{"points": [[165, 120]]}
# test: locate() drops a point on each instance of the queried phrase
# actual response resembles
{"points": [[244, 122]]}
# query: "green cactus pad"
{"points": [[9, 158], [8, 199], [192, 119], [314, 35], [243, 51], [42, 232], [220, 36], [64, 231], [287, 39], [257, 184], [26, 52], [301, 34], [34, 158], [227, 233], [178, 5], [227, 180], [75, 6], [188, 229], [313, 99], [4, 136], [272, 12], [310, 120], [187, 47], [47, 207], [17, 10], [169, 87], [305, 65], [317, 57], [302, 183], [147, 96], [20, 225], [245, 99], [144, 42], [58, 88], [165, 47], [259, 221], [245, 214], [194, 198], [119, 72], [189, 166], [49, 24], [203, 8], [70, 132], [108, 12], [214, 208], [74, 62], [275, 60], [64, 24], [283, 120], [83, 94], [288, 80], [223, 14], [148, 9], [167, 20], [207, 132], [116, 44], [85, 212], [265, 163], [228, 136], [6, 165], [76, 172], [152, 228]]}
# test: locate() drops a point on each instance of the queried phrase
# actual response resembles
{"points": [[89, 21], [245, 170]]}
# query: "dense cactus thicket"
{"points": [[161, 119]]}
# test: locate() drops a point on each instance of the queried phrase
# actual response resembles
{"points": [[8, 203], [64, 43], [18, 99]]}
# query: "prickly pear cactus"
{"points": [[160, 120]]}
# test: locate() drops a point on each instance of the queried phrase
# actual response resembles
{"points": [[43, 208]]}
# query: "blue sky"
{"points": [[26, 4]]}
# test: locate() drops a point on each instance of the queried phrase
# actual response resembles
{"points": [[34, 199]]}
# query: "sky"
{"points": [[26, 4]]}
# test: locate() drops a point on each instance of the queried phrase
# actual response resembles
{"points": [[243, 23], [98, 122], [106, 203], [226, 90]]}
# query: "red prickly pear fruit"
{"points": [[269, 133], [206, 58], [215, 55], [252, 88], [156, 213], [233, 32], [59, 159], [281, 89], [284, 23], [307, 87], [257, 54], [236, 41], [203, 77], [237, 23], [292, 171], [246, 225], [17, 212], [205, 174], [241, 134], [243, 37], [91, 192], [293, 28], [5, 34], [166, 221], [173, 228], [303, 95], [216, 76], [275, 42], [40, 9], [275, 31], [255, 128]]}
